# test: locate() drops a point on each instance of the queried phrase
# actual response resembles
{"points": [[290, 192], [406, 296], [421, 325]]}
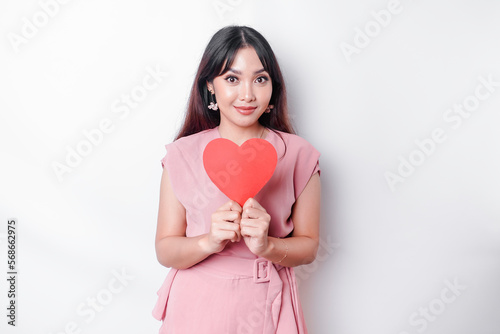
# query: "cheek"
{"points": [[265, 94], [226, 95]]}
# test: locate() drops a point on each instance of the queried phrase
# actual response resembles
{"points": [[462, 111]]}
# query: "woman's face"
{"points": [[244, 91]]}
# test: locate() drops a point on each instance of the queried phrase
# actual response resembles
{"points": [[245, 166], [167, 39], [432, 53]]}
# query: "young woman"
{"points": [[232, 265]]}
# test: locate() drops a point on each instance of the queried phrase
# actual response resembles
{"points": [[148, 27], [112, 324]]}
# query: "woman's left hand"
{"points": [[254, 226]]}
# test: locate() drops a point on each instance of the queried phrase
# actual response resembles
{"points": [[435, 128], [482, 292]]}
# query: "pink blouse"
{"points": [[234, 291]]}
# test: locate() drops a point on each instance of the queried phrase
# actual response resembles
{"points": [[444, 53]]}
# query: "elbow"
{"points": [[162, 254], [162, 259], [168, 262], [166, 259], [313, 251]]}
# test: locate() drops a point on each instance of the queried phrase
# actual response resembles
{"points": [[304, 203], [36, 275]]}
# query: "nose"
{"points": [[246, 92]]}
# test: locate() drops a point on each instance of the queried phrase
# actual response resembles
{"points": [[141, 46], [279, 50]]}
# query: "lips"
{"points": [[245, 110]]}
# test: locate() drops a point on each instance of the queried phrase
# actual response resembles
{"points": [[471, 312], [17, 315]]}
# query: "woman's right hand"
{"points": [[225, 227]]}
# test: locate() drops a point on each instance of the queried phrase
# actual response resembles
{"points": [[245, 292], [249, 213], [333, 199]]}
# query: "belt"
{"points": [[262, 271], [260, 268]]}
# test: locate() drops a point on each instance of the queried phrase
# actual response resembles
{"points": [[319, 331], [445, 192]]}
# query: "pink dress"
{"points": [[234, 291]]}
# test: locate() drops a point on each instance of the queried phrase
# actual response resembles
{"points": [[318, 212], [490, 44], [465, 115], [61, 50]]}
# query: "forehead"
{"points": [[245, 60]]}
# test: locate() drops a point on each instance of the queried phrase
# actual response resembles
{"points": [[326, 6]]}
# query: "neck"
{"points": [[241, 134]]}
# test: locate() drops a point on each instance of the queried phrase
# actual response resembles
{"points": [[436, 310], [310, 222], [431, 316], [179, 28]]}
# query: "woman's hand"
{"points": [[255, 226], [225, 227]]}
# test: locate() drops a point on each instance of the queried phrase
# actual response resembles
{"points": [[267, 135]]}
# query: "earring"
{"points": [[269, 108], [212, 105]]}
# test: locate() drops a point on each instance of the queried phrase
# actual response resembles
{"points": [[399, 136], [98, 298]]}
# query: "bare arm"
{"points": [[173, 248], [304, 242]]}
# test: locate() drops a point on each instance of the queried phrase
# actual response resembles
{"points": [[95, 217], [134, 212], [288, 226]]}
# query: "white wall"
{"points": [[388, 256]]}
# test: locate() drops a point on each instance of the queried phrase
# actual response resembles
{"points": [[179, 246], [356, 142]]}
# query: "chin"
{"points": [[247, 122]]}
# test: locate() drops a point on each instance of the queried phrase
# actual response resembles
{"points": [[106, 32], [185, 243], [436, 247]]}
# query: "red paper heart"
{"points": [[240, 172]]}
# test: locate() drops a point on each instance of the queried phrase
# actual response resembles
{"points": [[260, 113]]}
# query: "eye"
{"points": [[231, 79], [262, 79]]}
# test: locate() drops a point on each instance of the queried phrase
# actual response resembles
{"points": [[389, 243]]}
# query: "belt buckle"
{"points": [[260, 266]]}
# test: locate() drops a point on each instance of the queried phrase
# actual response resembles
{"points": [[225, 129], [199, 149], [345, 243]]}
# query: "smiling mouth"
{"points": [[245, 110]]}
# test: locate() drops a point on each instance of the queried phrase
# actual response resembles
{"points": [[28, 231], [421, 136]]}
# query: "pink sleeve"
{"points": [[306, 165], [164, 160], [176, 166], [169, 158]]}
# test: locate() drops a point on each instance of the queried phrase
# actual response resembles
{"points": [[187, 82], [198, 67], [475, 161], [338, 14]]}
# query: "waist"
{"points": [[237, 267]]}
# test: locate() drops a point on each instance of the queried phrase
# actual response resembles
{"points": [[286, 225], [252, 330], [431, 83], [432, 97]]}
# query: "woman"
{"points": [[232, 265]]}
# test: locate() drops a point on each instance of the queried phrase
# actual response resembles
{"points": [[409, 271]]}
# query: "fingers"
{"points": [[251, 232], [226, 216], [231, 221], [221, 232], [229, 212], [254, 219], [226, 222], [230, 206], [252, 213], [252, 203], [225, 231], [252, 209], [247, 224], [255, 234], [255, 224], [255, 213]]}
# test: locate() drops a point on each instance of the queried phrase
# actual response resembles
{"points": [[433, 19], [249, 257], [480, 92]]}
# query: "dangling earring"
{"points": [[269, 108], [212, 105]]}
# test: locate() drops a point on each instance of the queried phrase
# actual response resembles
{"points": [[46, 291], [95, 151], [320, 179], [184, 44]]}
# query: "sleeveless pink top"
{"points": [[234, 291]]}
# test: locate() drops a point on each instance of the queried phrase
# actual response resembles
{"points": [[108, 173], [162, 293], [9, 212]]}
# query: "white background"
{"points": [[386, 253]]}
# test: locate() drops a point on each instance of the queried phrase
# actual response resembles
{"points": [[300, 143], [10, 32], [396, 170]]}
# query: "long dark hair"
{"points": [[221, 49]]}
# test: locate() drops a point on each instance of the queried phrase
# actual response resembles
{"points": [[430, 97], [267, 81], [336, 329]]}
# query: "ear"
{"points": [[210, 86]]}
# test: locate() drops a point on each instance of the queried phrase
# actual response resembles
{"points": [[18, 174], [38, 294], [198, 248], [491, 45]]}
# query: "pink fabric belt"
{"points": [[262, 271]]}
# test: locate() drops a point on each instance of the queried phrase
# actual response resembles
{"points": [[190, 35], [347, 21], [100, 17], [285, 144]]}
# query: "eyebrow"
{"points": [[239, 72]]}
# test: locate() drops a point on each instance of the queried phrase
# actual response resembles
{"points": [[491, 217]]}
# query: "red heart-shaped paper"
{"points": [[240, 172]]}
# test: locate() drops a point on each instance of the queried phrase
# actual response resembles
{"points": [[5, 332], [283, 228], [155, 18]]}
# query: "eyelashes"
{"points": [[264, 79], [232, 79]]}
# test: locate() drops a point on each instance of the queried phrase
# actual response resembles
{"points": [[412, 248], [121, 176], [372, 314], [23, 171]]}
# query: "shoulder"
{"points": [[192, 142], [294, 142]]}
